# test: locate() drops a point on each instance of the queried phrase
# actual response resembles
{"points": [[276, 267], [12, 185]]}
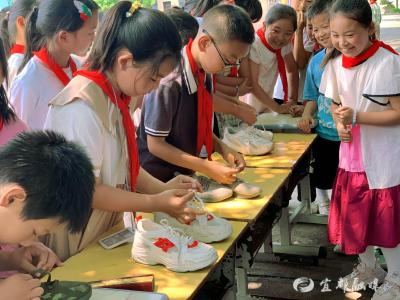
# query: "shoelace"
{"points": [[204, 181], [182, 237]]}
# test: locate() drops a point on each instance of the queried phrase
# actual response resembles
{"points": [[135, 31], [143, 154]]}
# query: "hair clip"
{"points": [[134, 7], [84, 12]]}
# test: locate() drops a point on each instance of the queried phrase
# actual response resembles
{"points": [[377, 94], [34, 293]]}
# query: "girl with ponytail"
{"points": [[134, 49], [54, 30]]}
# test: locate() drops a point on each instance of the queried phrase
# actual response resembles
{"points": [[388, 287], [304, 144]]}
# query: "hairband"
{"points": [[134, 7], [84, 12]]}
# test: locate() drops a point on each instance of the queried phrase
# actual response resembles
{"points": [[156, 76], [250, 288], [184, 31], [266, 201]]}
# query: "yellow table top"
{"points": [[96, 263], [270, 180], [288, 149]]}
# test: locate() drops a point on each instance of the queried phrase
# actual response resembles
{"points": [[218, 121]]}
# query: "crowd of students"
{"points": [[71, 154]]}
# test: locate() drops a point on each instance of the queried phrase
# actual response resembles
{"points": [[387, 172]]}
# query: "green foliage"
{"points": [[106, 4]]}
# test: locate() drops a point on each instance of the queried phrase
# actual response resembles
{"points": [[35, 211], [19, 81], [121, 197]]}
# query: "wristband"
{"points": [[354, 121]]}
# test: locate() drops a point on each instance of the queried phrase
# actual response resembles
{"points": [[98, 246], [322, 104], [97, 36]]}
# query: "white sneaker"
{"points": [[213, 191], [390, 289], [161, 244], [245, 190], [206, 228], [361, 277], [249, 141]]}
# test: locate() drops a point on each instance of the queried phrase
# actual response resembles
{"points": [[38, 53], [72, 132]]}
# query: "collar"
{"points": [[188, 75]]}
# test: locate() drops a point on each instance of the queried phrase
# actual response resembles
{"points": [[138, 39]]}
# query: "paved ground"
{"points": [[390, 30]]}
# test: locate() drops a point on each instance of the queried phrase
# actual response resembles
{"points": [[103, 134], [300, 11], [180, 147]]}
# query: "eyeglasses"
{"points": [[227, 64]]}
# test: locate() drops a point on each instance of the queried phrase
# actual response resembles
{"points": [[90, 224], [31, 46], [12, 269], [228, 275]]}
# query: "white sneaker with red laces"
{"points": [[206, 228], [161, 244]]}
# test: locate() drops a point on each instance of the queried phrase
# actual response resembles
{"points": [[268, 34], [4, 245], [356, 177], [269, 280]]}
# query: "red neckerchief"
{"points": [[234, 72], [316, 47], [281, 62], [122, 102], [17, 49], [204, 106], [350, 62], [1, 123], [45, 57]]}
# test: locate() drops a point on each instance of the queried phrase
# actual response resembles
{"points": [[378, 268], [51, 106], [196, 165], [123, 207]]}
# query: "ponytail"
{"points": [[148, 34], [7, 114], [33, 39], [331, 54], [4, 34]]}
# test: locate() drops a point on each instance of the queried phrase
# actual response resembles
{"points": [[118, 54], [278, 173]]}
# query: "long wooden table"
{"points": [[95, 263]]}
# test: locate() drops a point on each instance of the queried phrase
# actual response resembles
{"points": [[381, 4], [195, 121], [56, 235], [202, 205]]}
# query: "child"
{"points": [[15, 26], [39, 191], [10, 125], [52, 40], [186, 24], [365, 201], [177, 117], [326, 146], [376, 18], [270, 54], [133, 50]]}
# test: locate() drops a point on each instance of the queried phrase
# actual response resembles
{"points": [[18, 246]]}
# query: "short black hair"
{"points": [[281, 11], [56, 174], [186, 24], [319, 7], [7, 114], [252, 7], [229, 23]]}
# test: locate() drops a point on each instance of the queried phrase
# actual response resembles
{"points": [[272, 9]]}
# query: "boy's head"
{"points": [[187, 25], [318, 13], [224, 38], [280, 24], [45, 181], [309, 29]]}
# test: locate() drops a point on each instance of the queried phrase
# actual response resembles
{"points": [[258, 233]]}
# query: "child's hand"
{"points": [[301, 20], [173, 203], [244, 88], [344, 132], [284, 108], [183, 182], [296, 110], [246, 113], [220, 173], [35, 256], [345, 115], [305, 124], [233, 158], [20, 287]]}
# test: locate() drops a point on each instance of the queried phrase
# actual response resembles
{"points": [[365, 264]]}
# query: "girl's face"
{"points": [[135, 79], [349, 36], [321, 30], [309, 30], [279, 33], [83, 38]]}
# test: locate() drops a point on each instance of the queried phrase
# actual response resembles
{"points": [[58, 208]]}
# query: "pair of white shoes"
{"points": [[364, 276], [248, 140], [180, 247], [215, 192]]}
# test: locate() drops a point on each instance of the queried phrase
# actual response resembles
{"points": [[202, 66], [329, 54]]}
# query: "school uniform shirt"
{"points": [[326, 127], [32, 90], [367, 88], [268, 70], [83, 114], [14, 62], [170, 112]]}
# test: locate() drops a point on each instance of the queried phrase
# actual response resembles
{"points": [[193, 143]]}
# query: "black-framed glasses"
{"points": [[227, 64]]}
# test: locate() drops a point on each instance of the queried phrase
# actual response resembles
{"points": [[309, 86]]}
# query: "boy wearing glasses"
{"points": [[177, 117]]}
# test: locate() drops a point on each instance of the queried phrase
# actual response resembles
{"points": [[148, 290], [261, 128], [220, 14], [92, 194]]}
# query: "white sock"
{"points": [[323, 195], [368, 257], [392, 257]]}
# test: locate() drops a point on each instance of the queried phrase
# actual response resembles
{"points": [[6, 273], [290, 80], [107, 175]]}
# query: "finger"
{"points": [[181, 192], [187, 197], [36, 293], [33, 283], [43, 258]]}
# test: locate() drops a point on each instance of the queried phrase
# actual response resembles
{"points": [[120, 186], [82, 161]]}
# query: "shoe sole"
{"points": [[247, 196], [229, 144], [178, 269]]}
